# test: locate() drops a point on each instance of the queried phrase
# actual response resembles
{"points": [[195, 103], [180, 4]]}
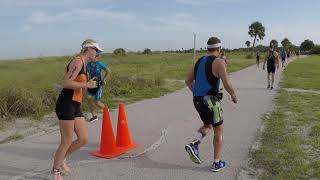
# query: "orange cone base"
{"points": [[118, 152], [128, 148]]}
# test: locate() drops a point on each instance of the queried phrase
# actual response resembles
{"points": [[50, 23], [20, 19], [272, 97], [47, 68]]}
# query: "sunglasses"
{"points": [[96, 49]]}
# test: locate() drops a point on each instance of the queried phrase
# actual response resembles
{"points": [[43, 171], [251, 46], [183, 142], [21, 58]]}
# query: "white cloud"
{"points": [[228, 1], [183, 22], [76, 15], [204, 2], [180, 22], [45, 3], [189, 2], [25, 3], [26, 28]]}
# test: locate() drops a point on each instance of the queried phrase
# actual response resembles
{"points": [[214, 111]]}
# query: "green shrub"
{"points": [[249, 56], [147, 51], [119, 52], [315, 50], [19, 102]]}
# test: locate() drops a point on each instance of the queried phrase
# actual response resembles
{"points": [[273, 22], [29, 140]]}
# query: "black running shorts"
{"points": [[209, 109], [67, 109], [271, 69]]}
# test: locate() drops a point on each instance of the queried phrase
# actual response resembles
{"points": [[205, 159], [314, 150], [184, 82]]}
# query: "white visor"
{"points": [[96, 45], [212, 46]]}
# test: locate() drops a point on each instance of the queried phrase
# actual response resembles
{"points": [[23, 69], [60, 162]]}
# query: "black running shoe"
{"points": [[193, 152], [217, 166]]}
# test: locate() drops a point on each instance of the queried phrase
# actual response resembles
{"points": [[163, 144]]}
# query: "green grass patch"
{"points": [[315, 131], [281, 155], [2, 124], [303, 74], [315, 137], [290, 141]]}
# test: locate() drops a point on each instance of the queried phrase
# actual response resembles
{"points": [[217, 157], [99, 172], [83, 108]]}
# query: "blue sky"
{"points": [[55, 27]]}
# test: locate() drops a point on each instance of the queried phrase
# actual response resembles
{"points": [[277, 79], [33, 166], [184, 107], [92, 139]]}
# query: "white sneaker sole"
{"points": [[93, 120], [192, 155], [217, 170]]}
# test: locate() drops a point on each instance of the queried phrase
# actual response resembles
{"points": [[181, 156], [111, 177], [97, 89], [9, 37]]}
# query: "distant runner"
{"points": [[283, 57], [272, 61], [258, 58]]}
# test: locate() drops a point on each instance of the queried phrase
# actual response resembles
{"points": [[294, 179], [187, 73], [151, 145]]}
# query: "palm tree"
{"points": [[256, 30], [286, 43], [248, 43]]}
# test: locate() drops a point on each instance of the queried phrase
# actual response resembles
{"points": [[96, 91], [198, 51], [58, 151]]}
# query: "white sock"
{"points": [[216, 160], [198, 137]]}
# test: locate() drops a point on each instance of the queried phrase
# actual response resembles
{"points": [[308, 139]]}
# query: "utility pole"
{"points": [[194, 47]]}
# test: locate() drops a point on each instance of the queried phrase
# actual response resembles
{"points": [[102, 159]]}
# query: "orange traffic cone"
{"points": [[123, 134], [108, 148]]}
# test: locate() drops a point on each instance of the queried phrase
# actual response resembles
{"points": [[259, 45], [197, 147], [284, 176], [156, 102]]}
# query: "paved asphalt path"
{"points": [[162, 127]]}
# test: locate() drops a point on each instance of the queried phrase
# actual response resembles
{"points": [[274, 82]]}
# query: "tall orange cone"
{"points": [[123, 134], [108, 148]]}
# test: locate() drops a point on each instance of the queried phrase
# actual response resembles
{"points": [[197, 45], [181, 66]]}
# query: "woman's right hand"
{"points": [[92, 83]]}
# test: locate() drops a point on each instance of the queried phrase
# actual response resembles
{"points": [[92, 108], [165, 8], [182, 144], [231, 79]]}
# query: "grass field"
{"points": [[303, 74], [290, 141], [27, 85]]}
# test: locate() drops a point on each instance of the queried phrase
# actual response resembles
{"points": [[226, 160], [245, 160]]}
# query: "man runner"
{"points": [[204, 81], [272, 61], [258, 58], [283, 57]]}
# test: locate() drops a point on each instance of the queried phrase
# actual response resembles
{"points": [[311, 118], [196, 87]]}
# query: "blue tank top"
{"points": [[205, 83]]}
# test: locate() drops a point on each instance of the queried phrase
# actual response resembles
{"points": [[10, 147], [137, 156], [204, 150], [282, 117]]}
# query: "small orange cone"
{"points": [[123, 134], [108, 148]]}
